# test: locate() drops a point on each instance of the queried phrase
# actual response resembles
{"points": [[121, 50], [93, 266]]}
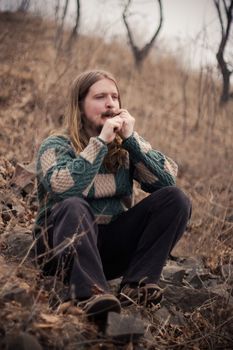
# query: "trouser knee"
{"points": [[68, 216], [173, 197], [73, 206], [180, 200]]}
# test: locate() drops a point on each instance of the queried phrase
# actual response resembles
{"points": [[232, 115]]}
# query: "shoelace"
{"points": [[143, 295]]}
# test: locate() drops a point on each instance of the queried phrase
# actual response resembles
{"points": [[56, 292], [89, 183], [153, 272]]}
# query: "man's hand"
{"points": [[128, 124], [111, 127]]}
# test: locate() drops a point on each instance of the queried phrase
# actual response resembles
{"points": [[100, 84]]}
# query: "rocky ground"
{"points": [[195, 313]]}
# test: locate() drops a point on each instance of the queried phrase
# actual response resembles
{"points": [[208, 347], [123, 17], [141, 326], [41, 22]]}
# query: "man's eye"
{"points": [[115, 97], [99, 96]]}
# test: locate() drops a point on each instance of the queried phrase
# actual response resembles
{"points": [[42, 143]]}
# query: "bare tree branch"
{"points": [[225, 71], [24, 5], [57, 8], [229, 15], [58, 39], [64, 12], [225, 5], [216, 2], [141, 54], [74, 32]]}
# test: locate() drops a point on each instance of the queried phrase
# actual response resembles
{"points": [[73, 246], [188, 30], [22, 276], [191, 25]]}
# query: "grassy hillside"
{"points": [[175, 109]]}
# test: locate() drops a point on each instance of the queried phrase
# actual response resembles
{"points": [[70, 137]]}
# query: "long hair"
{"points": [[74, 125]]}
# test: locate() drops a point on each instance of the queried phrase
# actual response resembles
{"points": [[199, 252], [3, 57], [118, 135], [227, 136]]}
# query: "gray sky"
{"points": [[190, 26]]}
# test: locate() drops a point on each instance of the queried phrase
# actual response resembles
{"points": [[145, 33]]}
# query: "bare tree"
{"points": [[74, 32], [141, 53], [225, 13], [57, 8], [23, 7], [59, 33]]}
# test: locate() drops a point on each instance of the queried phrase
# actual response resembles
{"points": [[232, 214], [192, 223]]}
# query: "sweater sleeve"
{"points": [[62, 172], [152, 169]]}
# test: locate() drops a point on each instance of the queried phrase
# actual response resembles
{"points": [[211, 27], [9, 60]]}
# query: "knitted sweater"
{"points": [[62, 173]]}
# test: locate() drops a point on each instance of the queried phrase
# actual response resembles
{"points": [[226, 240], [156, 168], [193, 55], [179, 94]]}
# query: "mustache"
{"points": [[109, 114]]}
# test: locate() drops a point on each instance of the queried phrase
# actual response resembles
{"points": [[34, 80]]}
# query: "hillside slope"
{"points": [[177, 111]]}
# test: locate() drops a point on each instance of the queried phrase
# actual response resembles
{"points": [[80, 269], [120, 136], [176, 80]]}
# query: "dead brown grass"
{"points": [[176, 110]]}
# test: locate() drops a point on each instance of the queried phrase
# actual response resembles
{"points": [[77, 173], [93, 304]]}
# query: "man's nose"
{"points": [[110, 102]]}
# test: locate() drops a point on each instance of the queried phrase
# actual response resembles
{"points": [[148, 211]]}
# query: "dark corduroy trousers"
{"points": [[135, 245]]}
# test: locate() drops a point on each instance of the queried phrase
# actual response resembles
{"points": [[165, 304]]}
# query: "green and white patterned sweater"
{"points": [[62, 173]]}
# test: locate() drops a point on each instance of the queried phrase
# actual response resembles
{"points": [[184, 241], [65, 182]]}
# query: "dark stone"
{"points": [[193, 264], [24, 177], [203, 280], [124, 328], [18, 245], [173, 273], [114, 285], [18, 294], [23, 341], [223, 291], [169, 314], [187, 299], [6, 214], [196, 282]]}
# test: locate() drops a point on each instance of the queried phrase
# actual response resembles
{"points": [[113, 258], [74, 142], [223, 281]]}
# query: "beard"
{"points": [[99, 128], [92, 129]]}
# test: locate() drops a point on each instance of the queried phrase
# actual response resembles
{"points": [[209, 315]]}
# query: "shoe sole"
{"points": [[99, 308]]}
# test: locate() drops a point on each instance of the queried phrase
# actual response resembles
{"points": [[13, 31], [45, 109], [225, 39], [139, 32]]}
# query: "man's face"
{"points": [[101, 102]]}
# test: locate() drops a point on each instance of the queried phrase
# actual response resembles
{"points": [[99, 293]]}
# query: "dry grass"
{"points": [[175, 109]]}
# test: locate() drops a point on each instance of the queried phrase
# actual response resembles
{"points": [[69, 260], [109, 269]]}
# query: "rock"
{"points": [[189, 272], [203, 280], [222, 291], [169, 315], [114, 285], [18, 294], [6, 214], [19, 212], [123, 327], [24, 177], [196, 282], [18, 245], [23, 341], [173, 273], [187, 299], [192, 264], [163, 315]]}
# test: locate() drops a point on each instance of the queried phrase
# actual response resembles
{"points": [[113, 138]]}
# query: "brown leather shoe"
{"points": [[97, 307], [142, 295]]}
